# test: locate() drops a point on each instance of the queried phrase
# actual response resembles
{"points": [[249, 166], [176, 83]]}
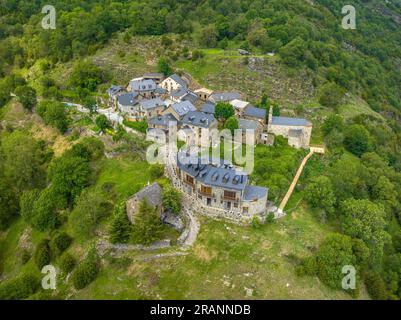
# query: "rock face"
{"points": [[152, 194], [172, 220]]}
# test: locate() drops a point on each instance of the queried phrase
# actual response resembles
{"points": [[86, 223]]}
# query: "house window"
{"points": [[189, 179], [235, 204], [206, 190], [229, 195]]}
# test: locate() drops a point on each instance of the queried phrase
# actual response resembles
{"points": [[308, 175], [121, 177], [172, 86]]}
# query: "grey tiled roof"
{"points": [[255, 112], [180, 92], [284, 121], [179, 80], [219, 176], [190, 96], [128, 99], [152, 103], [252, 193], [183, 107], [198, 119], [209, 107], [247, 124], [224, 96], [152, 193], [114, 90], [160, 90], [164, 120], [143, 85]]}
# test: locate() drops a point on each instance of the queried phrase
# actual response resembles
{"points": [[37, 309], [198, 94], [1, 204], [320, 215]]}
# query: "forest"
{"points": [[355, 189]]}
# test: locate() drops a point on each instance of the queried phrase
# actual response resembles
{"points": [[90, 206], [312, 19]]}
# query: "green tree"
{"points": [[69, 176], [54, 114], [87, 271], [102, 122], [90, 104], [156, 171], [231, 124], [164, 67], [8, 204], [67, 263], [60, 242], [42, 255], [19, 288], [209, 36], [85, 75], [376, 286], [333, 122], [26, 96], [223, 111], [44, 215], [147, 224], [331, 95], [320, 194], [357, 139], [172, 199], [292, 54], [364, 220], [121, 227]]}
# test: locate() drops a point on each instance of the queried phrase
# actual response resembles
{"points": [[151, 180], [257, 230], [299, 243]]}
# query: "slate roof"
{"points": [[284, 121], [198, 119], [152, 193], [180, 92], [160, 90], [148, 104], [128, 99], [142, 85], [252, 193], [179, 80], [224, 176], [224, 96], [163, 120], [114, 90], [247, 124], [190, 96], [209, 107], [252, 111], [183, 107]]}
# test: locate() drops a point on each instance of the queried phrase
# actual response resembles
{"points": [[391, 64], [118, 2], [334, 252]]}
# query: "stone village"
{"points": [[212, 186]]}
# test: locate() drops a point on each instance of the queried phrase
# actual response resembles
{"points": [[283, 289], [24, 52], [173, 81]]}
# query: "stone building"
{"points": [[219, 186], [113, 92], [151, 193], [174, 82], [297, 131], [196, 127]]}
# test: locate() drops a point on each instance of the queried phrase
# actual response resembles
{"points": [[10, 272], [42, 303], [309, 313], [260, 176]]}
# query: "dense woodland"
{"points": [[355, 188]]}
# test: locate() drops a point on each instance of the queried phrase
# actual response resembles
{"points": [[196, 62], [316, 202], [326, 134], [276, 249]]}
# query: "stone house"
{"points": [[250, 126], [297, 131], [224, 96], [196, 127], [239, 106], [220, 186], [180, 109], [156, 77], [144, 88], [128, 105], [174, 82], [203, 93], [151, 193], [255, 114], [113, 92], [152, 107]]}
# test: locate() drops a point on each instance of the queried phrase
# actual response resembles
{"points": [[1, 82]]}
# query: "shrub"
{"points": [[42, 255], [156, 171], [172, 199], [19, 288], [87, 271], [60, 242], [331, 95], [67, 263], [375, 286], [102, 122]]}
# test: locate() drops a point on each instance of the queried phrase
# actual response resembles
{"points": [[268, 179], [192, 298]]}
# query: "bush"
{"points": [[87, 271], [54, 114], [19, 288], [42, 255], [156, 171], [172, 199], [102, 122], [331, 95], [375, 286], [26, 96], [357, 139], [60, 242], [67, 263]]}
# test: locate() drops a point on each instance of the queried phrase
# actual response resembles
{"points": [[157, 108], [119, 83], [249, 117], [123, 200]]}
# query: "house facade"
{"points": [[174, 82], [220, 187], [196, 126]]}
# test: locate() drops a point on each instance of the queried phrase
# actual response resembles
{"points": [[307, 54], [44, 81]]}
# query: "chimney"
{"points": [[270, 118]]}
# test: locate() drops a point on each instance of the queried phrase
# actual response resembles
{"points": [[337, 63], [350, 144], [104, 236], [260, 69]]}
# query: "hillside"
{"points": [[65, 175]]}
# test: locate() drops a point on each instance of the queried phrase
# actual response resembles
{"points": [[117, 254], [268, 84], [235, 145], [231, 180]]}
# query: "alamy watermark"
{"points": [[349, 20], [50, 278], [49, 20], [349, 280]]}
